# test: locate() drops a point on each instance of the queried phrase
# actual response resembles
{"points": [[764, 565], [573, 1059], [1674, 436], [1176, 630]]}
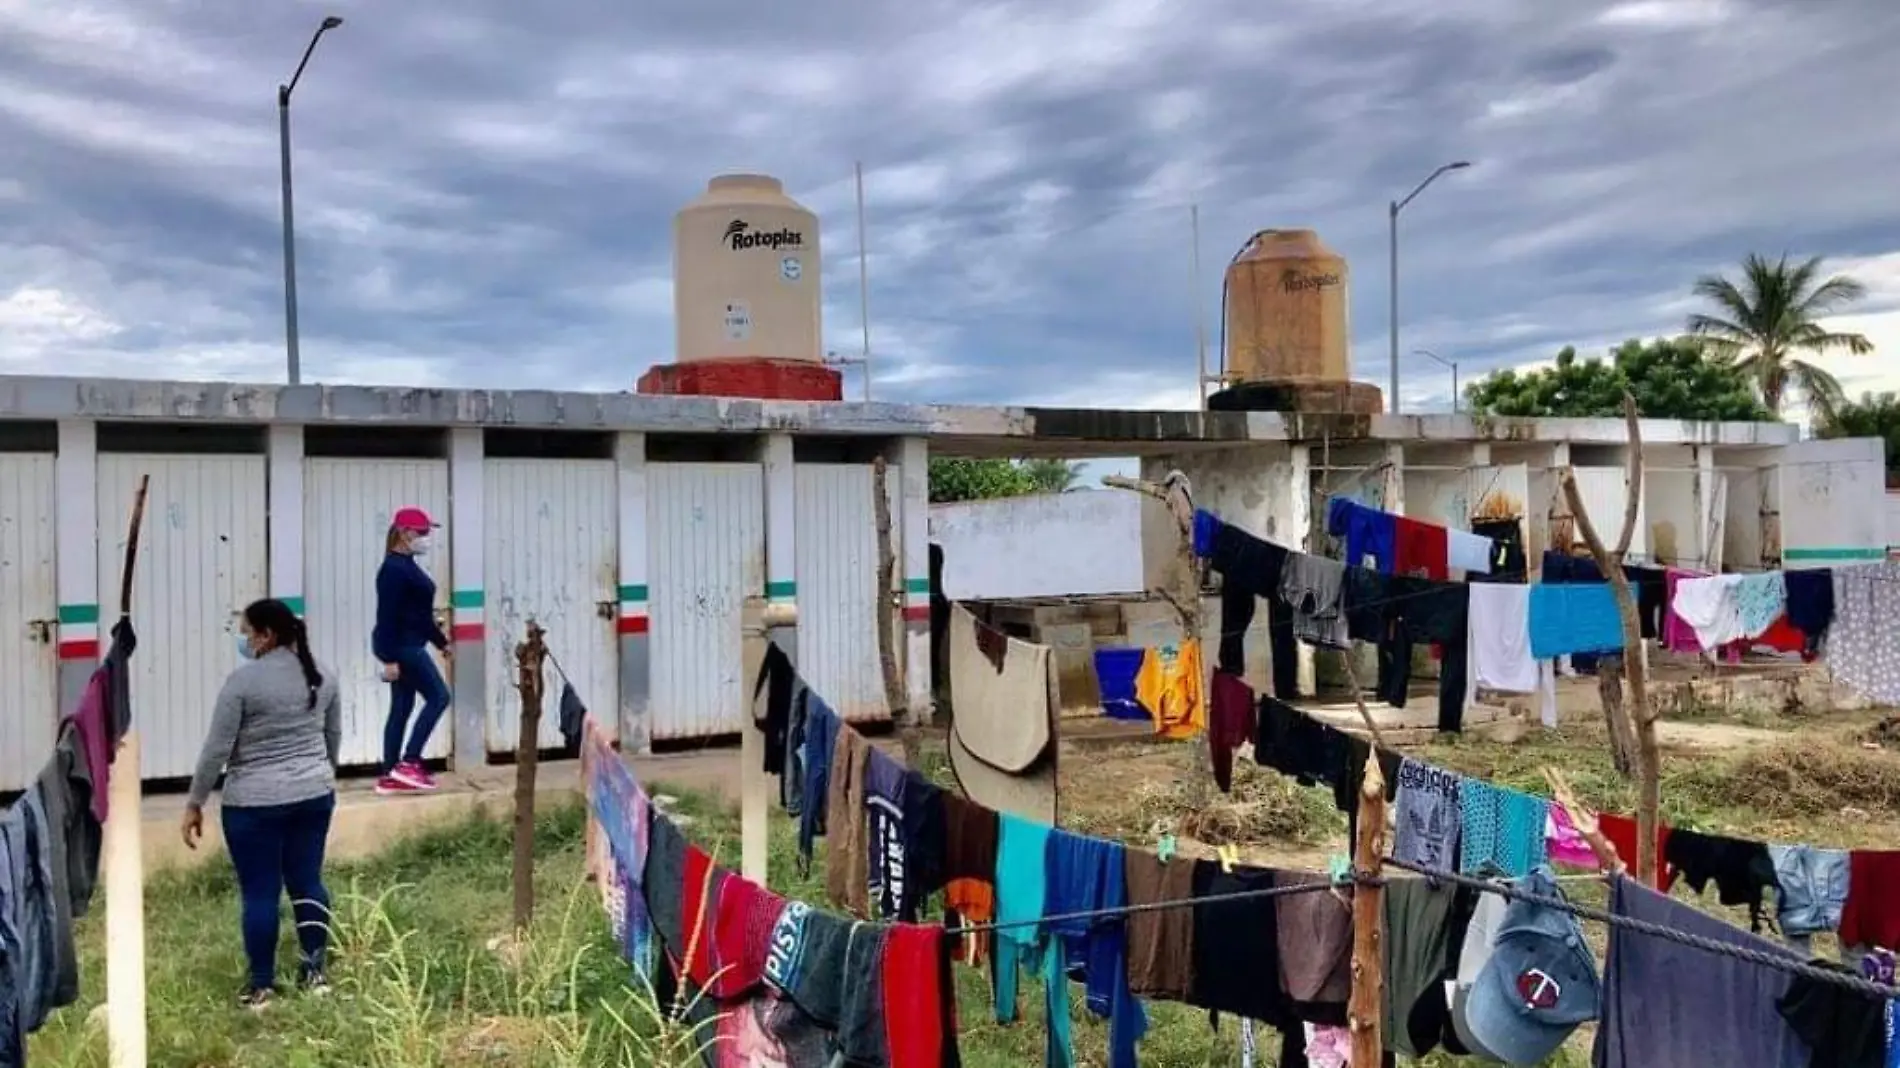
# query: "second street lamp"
{"points": [[1392, 220]]}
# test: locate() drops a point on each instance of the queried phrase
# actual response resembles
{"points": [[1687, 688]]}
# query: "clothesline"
{"points": [[1357, 878]]}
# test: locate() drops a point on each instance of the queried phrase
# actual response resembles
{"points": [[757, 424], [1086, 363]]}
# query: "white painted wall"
{"points": [[1893, 522], [1080, 543], [1672, 514], [1833, 502]]}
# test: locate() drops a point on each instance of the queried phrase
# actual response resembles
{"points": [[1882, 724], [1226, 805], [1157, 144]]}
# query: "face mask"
{"points": [[420, 546], [244, 650]]}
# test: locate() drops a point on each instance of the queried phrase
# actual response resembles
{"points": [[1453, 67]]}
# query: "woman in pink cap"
{"points": [[405, 628]]}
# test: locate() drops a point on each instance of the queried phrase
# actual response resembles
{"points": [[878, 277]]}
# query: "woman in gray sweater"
{"points": [[274, 735]]}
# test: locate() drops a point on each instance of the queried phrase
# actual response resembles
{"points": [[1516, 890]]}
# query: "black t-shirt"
{"points": [[1237, 946], [1844, 1029]]}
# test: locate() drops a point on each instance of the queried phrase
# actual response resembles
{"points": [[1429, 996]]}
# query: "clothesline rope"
{"points": [[1791, 965], [1118, 911]]}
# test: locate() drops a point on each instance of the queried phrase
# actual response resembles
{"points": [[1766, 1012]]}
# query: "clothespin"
{"points": [[1339, 869], [1164, 848], [1229, 856]]}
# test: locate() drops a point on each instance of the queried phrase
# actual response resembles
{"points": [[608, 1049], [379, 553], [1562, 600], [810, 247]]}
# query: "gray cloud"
{"points": [[485, 190]]}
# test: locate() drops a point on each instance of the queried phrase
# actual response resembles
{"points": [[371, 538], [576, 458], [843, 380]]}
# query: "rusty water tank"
{"points": [[1287, 316], [746, 274]]}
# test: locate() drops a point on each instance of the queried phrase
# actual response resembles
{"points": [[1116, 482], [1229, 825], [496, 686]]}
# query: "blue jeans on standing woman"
{"points": [[417, 676], [278, 848]]}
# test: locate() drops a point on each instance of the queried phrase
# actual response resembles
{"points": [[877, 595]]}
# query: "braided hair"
{"points": [[274, 617]]}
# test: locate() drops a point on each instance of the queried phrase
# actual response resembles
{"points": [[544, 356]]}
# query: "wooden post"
{"points": [[529, 656], [1585, 821], [125, 862], [1177, 493], [758, 617], [896, 694], [1635, 661], [1367, 1004]]}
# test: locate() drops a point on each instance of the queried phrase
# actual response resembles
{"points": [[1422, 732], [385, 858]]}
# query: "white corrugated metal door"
{"points": [[201, 559], [550, 553], [348, 504], [1605, 492], [706, 555], [837, 585], [28, 610]]}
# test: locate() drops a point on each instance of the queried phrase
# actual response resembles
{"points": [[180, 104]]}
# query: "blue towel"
{"points": [[1574, 618], [1206, 528], [1086, 874]]}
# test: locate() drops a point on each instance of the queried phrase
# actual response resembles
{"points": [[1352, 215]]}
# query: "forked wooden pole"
{"points": [[125, 863], [1366, 1007]]}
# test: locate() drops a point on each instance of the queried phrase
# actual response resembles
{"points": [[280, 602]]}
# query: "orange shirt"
{"points": [[1169, 686]]}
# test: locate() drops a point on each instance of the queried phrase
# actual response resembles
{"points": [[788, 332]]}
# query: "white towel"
{"points": [[1709, 606], [1499, 630], [1469, 551]]}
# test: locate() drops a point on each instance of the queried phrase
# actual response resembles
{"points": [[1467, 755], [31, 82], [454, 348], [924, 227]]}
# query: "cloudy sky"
{"points": [[485, 189]]}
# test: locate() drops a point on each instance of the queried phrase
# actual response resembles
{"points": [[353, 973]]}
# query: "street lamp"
{"points": [[1392, 219], [1442, 362], [291, 361]]}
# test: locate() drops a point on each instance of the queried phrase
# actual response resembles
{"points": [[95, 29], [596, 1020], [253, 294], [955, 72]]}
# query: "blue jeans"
{"points": [[277, 848], [417, 677]]}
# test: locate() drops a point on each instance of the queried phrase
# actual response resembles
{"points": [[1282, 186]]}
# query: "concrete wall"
{"points": [[1833, 502], [1893, 522], [1081, 543]]}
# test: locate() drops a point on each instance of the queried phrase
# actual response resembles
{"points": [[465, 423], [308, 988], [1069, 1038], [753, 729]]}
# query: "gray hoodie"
{"points": [[273, 747]]}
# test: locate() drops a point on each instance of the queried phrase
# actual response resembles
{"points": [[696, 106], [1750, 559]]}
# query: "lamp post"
{"points": [[1442, 362], [292, 363], [1392, 220]]}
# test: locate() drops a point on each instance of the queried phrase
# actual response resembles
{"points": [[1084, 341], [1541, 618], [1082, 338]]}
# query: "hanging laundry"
{"points": [[1574, 618], [1651, 587], [847, 844], [1677, 635], [1236, 945], [1021, 943], [1871, 914], [920, 1011], [1427, 611], [1429, 816], [1538, 984], [1161, 941], [1710, 608], [1863, 645], [103, 715], [1561, 568], [1467, 551], [1508, 562], [1313, 586], [1481, 933], [1620, 831], [1420, 550], [1369, 598], [763, 1029], [1232, 722], [700, 886], [1084, 875], [1810, 603], [1169, 687], [1811, 889], [1251, 569], [1740, 869], [1418, 915], [888, 884], [664, 881], [1293, 743], [925, 843], [1564, 844], [1347, 786], [833, 969], [1503, 830], [83, 836], [819, 746], [1500, 639], [1760, 599], [1315, 940], [1328, 1047], [1667, 1005], [1842, 1028], [1367, 532], [776, 678], [970, 869], [1115, 672], [791, 781], [739, 934], [573, 712]]}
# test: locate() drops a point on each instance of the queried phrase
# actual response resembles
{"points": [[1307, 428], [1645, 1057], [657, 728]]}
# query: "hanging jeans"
{"points": [[279, 848], [417, 676]]}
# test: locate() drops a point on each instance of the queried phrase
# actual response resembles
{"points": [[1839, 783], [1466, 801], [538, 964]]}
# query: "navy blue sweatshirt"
{"points": [[405, 609]]}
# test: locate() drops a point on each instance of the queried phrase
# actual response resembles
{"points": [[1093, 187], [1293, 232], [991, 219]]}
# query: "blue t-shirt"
{"points": [[1574, 618], [1367, 532]]}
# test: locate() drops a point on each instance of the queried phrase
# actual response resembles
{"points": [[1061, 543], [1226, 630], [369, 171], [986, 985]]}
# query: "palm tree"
{"points": [[1773, 314], [1050, 476]]}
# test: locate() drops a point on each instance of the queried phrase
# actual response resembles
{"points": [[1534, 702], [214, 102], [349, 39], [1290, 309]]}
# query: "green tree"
{"points": [[1671, 378], [1764, 322], [1872, 416], [964, 479]]}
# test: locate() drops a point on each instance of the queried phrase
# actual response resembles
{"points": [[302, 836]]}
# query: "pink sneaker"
{"points": [[413, 775], [389, 786]]}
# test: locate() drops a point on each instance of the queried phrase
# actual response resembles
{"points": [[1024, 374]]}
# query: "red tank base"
{"points": [[760, 378]]}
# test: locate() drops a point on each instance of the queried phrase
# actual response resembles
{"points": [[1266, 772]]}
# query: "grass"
{"points": [[418, 983]]}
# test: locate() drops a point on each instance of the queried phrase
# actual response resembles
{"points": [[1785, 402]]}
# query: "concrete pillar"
{"points": [[285, 520], [468, 628], [1392, 491], [1697, 549], [912, 512], [781, 539], [630, 460], [76, 568], [1299, 513]]}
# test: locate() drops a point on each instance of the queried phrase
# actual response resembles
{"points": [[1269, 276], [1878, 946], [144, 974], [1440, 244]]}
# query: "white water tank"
{"points": [[746, 274]]}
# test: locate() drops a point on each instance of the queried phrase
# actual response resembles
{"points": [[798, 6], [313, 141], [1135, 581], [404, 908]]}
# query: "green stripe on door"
{"points": [[635, 594], [78, 613], [921, 585], [1833, 554], [783, 590], [295, 604], [466, 599]]}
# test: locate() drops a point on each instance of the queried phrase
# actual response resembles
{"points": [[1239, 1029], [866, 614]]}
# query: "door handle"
{"points": [[41, 630], [607, 609]]}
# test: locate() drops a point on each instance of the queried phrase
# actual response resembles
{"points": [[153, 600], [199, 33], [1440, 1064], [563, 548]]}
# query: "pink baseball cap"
{"points": [[413, 518]]}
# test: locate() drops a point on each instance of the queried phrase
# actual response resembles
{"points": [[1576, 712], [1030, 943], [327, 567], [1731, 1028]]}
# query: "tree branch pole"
{"points": [[896, 696], [1365, 1006], [529, 656], [1585, 821], [1642, 715], [125, 861], [1176, 493]]}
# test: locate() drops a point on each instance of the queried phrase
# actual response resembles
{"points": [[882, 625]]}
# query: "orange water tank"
{"points": [[746, 274], [1287, 316]]}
